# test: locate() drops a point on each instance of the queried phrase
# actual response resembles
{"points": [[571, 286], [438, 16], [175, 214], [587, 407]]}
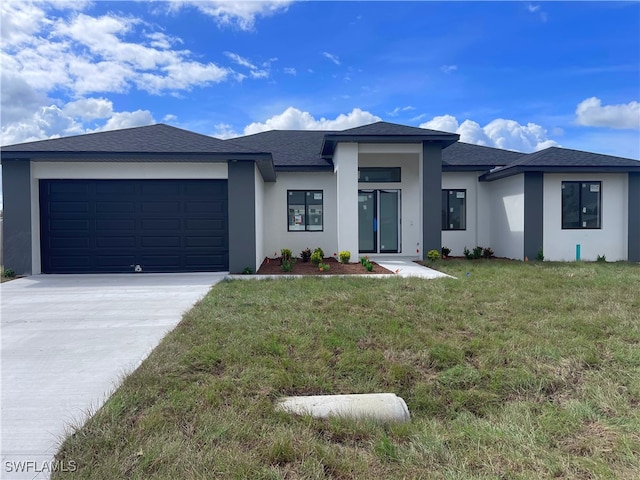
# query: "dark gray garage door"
{"points": [[113, 225]]}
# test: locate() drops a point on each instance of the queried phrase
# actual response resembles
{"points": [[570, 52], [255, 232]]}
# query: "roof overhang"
{"points": [[263, 160], [516, 170], [331, 140]]}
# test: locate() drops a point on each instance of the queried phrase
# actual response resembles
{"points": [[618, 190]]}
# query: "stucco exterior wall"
{"points": [[276, 236], [345, 162], [456, 240], [506, 210], [411, 231], [259, 209], [611, 240]]}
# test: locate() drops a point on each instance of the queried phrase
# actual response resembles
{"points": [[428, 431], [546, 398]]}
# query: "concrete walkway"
{"points": [[406, 267], [67, 341]]}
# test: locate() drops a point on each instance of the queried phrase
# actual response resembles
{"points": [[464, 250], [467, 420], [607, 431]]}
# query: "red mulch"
{"points": [[271, 266]]}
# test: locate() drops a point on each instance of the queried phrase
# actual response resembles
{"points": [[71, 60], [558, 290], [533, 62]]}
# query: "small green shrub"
{"points": [[285, 255], [323, 267], [305, 254], [601, 259], [320, 251], [363, 260], [287, 265], [540, 255], [467, 253], [247, 271], [477, 252], [446, 251], [316, 257], [345, 256], [487, 252], [433, 255], [368, 266], [8, 273]]}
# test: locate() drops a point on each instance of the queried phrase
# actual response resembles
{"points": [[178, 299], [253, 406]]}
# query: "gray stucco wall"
{"points": [[242, 216], [533, 213], [431, 197], [634, 217], [16, 191]]}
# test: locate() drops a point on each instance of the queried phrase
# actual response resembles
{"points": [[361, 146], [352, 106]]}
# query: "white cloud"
{"points": [[241, 14], [127, 120], [254, 71], [240, 60], [398, 110], [224, 131], [449, 68], [169, 117], [52, 121], [500, 133], [89, 108], [334, 58], [294, 119], [290, 71], [537, 9], [591, 113]]}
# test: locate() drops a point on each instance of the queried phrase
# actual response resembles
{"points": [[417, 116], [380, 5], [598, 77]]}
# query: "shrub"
{"points": [[323, 266], [305, 254], [363, 260], [467, 253], [319, 250], [602, 258], [8, 273], [477, 252], [487, 252], [345, 256], [369, 266], [316, 257], [247, 271], [287, 265], [285, 255], [433, 255], [445, 252], [540, 255]]}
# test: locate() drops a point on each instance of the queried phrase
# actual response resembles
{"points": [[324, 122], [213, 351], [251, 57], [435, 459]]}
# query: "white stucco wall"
{"points": [[345, 162], [506, 210], [276, 236], [259, 207], [611, 240], [410, 198], [456, 240], [109, 170]]}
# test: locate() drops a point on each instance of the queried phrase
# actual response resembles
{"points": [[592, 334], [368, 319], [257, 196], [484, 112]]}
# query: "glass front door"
{"points": [[379, 221]]}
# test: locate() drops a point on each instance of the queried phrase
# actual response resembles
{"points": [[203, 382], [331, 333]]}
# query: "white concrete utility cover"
{"points": [[385, 407]]}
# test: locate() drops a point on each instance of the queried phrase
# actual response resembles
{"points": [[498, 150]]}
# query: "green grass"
{"points": [[518, 371]]}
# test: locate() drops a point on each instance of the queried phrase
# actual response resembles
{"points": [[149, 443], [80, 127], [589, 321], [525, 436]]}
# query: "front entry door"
{"points": [[379, 221]]}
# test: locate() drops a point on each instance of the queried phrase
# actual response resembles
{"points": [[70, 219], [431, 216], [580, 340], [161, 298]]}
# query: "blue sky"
{"points": [[516, 75]]}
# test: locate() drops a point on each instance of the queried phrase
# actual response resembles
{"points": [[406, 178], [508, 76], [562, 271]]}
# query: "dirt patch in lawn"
{"points": [[272, 266]]}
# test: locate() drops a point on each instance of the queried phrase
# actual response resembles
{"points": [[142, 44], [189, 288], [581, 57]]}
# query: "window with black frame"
{"points": [[305, 210], [454, 209], [581, 205]]}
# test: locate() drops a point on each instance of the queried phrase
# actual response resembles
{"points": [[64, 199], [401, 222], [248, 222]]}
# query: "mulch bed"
{"points": [[271, 266]]}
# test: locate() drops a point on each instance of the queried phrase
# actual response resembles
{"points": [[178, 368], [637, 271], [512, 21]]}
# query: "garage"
{"points": [[118, 226]]}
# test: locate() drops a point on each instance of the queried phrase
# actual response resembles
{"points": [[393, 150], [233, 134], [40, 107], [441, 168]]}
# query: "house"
{"points": [[162, 199]]}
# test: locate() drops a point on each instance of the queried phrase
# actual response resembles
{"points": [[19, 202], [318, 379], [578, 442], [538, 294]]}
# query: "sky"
{"points": [[517, 75]]}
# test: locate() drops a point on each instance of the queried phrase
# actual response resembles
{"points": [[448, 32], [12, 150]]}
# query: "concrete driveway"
{"points": [[67, 340]]}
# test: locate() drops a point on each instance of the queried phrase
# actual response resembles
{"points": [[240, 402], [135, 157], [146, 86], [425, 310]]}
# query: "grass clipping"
{"points": [[515, 371]]}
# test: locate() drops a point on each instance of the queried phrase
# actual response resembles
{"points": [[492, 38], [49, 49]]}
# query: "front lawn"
{"points": [[513, 370]]}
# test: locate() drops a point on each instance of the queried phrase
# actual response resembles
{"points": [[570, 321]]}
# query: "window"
{"points": [[305, 210], [378, 174], [454, 209], [581, 204]]}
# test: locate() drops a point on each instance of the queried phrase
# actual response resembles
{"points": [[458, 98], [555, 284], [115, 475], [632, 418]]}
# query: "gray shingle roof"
{"points": [[468, 155], [556, 159], [289, 148], [391, 129], [159, 138]]}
